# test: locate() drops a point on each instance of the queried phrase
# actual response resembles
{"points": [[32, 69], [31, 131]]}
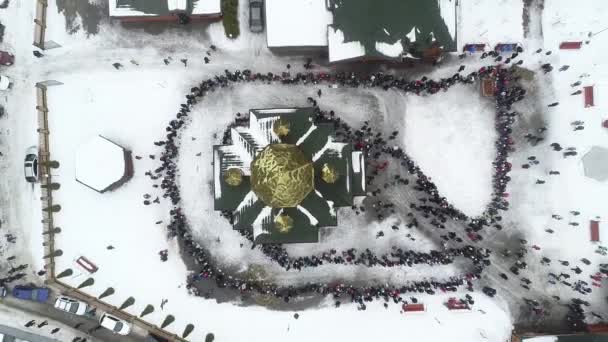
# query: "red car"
{"points": [[6, 58]]}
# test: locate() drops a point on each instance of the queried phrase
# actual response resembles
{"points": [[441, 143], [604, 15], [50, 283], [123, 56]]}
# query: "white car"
{"points": [[115, 324], [30, 164], [5, 82], [71, 305]]}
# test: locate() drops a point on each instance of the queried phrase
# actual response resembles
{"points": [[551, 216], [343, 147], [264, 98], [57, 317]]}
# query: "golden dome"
{"points": [[283, 223], [281, 176], [281, 127], [233, 176], [329, 174]]}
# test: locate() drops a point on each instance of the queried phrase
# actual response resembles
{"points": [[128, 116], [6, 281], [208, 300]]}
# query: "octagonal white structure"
{"points": [[102, 165], [595, 163]]}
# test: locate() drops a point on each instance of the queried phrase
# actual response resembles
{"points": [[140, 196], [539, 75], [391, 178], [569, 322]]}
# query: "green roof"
{"points": [[317, 143], [388, 21]]}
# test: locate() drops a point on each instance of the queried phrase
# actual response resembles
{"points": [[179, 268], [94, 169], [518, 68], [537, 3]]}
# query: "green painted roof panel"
{"points": [[371, 21]]}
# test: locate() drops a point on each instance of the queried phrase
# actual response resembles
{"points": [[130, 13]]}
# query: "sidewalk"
{"points": [[24, 335]]}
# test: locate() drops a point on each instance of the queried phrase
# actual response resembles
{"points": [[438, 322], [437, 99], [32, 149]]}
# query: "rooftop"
{"points": [[384, 29], [390, 28], [297, 23], [101, 164], [131, 8]]}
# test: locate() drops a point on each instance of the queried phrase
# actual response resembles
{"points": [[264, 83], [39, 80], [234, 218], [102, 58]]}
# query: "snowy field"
{"points": [[454, 130], [448, 136]]}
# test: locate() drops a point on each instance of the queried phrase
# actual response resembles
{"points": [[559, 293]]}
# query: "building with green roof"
{"points": [[364, 29], [283, 175]]}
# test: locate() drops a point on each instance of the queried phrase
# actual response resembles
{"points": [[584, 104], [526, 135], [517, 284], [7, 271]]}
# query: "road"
{"points": [[86, 323]]}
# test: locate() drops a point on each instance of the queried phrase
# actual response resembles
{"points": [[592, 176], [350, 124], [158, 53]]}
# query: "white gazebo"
{"points": [[595, 163], [102, 165]]}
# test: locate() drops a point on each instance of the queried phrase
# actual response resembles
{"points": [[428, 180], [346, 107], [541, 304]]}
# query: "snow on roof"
{"points": [[412, 35], [177, 5], [206, 7], [447, 8], [595, 164], [502, 26], [390, 50], [339, 50], [330, 145], [117, 10], [311, 218], [542, 339], [100, 163], [297, 23], [132, 8], [274, 111]]}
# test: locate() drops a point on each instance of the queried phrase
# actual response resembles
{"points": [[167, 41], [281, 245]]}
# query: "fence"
{"points": [[49, 230], [40, 27], [45, 180]]}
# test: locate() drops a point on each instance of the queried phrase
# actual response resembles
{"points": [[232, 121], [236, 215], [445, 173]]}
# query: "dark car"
{"points": [[6, 58], [256, 16], [489, 291], [38, 294]]}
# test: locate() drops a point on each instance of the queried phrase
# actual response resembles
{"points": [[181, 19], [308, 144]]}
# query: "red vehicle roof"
{"points": [[588, 96], [570, 45], [6, 58], [594, 227]]}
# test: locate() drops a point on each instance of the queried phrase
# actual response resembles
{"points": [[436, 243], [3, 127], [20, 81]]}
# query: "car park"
{"points": [[6, 59], [256, 16], [37, 294], [115, 324], [71, 305], [31, 164]]}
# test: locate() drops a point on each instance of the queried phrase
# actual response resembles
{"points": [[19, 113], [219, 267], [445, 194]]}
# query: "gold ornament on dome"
{"points": [[283, 223], [233, 176], [281, 127], [329, 174], [282, 176]]}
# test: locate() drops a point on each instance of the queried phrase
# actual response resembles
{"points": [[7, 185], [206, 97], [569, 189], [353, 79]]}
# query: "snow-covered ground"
{"points": [[450, 138], [533, 205]]}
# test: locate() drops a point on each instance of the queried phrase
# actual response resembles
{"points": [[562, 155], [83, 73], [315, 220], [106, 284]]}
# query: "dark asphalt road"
{"points": [[47, 310]]}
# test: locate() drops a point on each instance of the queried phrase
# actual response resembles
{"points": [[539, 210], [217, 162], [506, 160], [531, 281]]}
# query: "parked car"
{"points": [[31, 164], [490, 292], [256, 15], [115, 324], [38, 294], [71, 305], [5, 82], [6, 58]]}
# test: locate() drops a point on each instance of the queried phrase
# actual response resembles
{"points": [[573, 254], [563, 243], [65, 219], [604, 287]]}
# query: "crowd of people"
{"points": [[375, 146], [351, 256]]}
